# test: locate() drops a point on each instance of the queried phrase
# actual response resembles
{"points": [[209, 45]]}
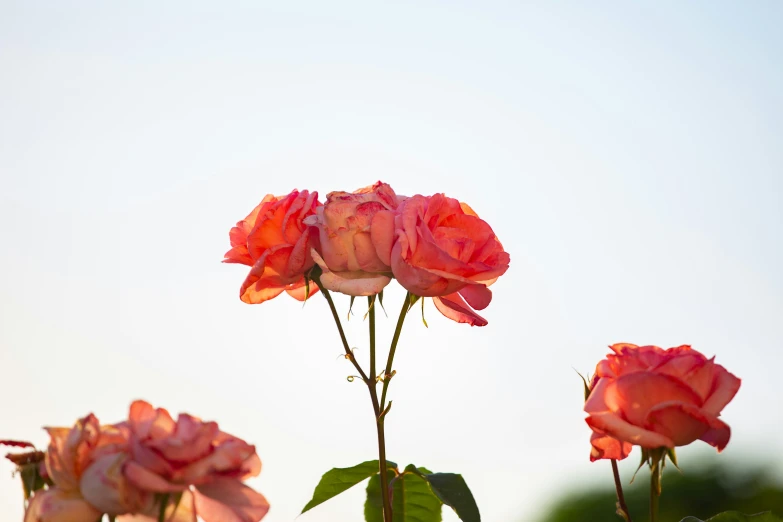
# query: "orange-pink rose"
{"points": [[438, 247], [655, 398], [275, 242], [347, 255], [195, 458]]}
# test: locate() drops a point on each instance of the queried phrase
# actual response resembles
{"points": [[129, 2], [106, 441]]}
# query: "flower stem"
{"points": [[655, 487], [379, 418], [371, 313], [348, 352], [621, 505], [164, 501], [371, 383], [393, 348]]}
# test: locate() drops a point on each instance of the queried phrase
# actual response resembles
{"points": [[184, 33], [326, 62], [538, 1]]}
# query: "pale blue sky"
{"points": [[629, 157]]}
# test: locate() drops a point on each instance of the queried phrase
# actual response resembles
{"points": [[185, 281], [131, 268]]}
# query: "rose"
{"points": [[657, 398], [84, 463], [347, 255], [196, 459], [275, 242], [438, 247]]}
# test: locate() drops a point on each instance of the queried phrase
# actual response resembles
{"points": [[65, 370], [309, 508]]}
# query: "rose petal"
{"points": [[382, 234], [725, 387], [614, 426], [684, 423], [55, 505], [228, 456], [350, 283], [105, 487], [143, 478], [299, 290], [227, 500], [417, 280], [635, 394], [456, 309], [477, 296], [606, 447], [595, 403]]}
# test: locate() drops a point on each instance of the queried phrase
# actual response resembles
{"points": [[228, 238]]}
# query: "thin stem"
{"points": [[622, 506], [387, 508], [371, 383], [379, 425], [348, 352], [655, 489], [164, 501], [371, 313], [393, 348]]}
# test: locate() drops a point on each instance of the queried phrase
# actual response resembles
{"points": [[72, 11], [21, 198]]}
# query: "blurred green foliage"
{"points": [[697, 491]]}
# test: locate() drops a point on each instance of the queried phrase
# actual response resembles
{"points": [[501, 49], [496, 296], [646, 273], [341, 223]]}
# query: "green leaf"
{"points": [[412, 300], [736, 516], [423, 320], [412, 498], [453, 491], [337, 480]]}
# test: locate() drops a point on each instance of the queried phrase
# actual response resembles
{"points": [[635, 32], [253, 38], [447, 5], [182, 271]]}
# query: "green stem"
{"points": [[371, 383], [655, 489], [348, 352], [379, 424], [164, 501], [393, 348], [621, 505], [371, 313]]}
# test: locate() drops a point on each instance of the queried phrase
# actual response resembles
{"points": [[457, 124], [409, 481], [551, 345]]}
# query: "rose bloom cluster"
{"points": [[656, 398], [135, 469], [434, 246]]}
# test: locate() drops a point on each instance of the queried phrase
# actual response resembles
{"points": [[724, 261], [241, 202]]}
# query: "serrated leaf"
{"points": [[736, 516], [412, 499], [453, 491], [337, 480]]}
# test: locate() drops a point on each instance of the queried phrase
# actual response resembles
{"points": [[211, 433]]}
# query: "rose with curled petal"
{"points": [[347, 255], [438, 247], [275, 243], [653, 398], [194, 458]]}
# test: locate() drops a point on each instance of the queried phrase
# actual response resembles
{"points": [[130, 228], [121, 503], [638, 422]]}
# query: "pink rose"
{"points": [[197, 459], [275, 242], [347, 255], [84, 463], [655, 398], [438, 247]]}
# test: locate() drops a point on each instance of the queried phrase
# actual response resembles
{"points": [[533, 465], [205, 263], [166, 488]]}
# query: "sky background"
{"points": [[629, 157]]}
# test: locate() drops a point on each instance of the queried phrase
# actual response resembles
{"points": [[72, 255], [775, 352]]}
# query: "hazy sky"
{"points": [[628, 156]]}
